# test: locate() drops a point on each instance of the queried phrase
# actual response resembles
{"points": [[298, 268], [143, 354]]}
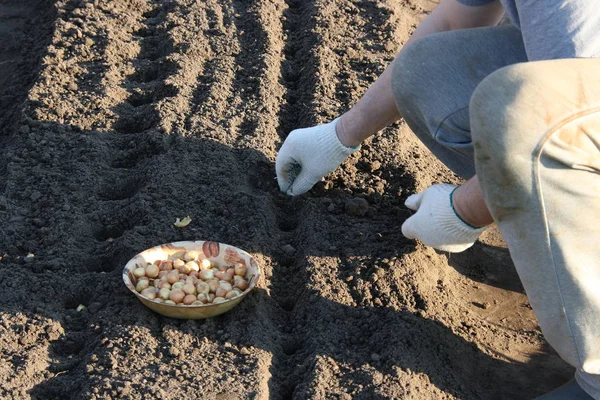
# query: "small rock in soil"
{"points": [[356, 207], [94, 307], [288, 249], [375, 357], [374, 166], [377, 378]]}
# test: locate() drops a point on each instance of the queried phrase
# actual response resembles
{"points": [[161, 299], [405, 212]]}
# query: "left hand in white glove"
{"points": [[436, 222]]}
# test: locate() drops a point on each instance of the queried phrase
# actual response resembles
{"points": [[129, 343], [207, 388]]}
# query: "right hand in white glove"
{"points": [[307, 155], [435, 222]]}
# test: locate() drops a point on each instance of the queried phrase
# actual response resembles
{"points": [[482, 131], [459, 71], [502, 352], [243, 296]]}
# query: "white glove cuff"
{"points": [[331, 145], [449, 220]]}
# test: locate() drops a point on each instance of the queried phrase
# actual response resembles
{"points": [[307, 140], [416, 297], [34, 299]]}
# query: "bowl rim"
{"points": [[252, 281]]}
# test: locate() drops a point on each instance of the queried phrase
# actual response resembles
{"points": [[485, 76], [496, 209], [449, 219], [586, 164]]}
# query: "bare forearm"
{"points": [[469, 204], [377, 108]]}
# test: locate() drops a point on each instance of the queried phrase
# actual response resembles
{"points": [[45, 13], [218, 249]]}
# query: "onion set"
{"points": [[190, 280]]}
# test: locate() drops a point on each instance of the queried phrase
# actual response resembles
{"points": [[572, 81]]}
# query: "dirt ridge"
{"points": [[133, 113]]}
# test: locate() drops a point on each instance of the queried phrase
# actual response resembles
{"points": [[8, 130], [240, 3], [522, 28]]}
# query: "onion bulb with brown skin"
{"points": [[142, 284], [242, 284], [139, 272], [221, 275], [229, 274], [205, 264], [189, 288], [173, 276], [231, 295], [213, 284], [220, 292], [240, 269], [164, 284], [203, 297], [177, 285], [176, 295], [225, 285], [177, 264], [191, 255], [237, 279], [164, 293], [207, 274], [218, 300], [202, 287], [192, 266], [189, 299], [149, 293], [166, 266], [152, 271]]}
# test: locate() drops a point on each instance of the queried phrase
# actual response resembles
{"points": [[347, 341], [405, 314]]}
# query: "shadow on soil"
{"points": [[87, 201], [294, 324]]}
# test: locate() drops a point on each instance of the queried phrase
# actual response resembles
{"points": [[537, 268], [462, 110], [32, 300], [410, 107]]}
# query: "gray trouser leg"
{"points": [[536, 133], [434, 78]]}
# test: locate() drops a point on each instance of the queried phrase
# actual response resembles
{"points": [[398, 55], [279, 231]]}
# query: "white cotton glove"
{"points": [[435, 222], [307, 155]]}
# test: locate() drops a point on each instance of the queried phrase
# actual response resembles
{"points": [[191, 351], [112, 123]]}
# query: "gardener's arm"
{"points": [[309, 154], [377, 108]]}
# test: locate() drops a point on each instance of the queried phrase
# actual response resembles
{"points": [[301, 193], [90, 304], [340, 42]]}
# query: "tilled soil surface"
{"points": [[119, 116]]}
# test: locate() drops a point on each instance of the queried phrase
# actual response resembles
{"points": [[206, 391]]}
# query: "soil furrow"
{"points": [[299, 65], [139, 112], [25, 32], [258, 82], [289, 280], [136, 123], [212, 98]]}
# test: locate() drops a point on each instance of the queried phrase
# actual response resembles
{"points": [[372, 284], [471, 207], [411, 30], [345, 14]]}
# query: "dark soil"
{"points": [[117, 117]]}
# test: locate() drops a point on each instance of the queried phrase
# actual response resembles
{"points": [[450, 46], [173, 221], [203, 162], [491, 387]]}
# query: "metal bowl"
{"points": [[218, 253]]}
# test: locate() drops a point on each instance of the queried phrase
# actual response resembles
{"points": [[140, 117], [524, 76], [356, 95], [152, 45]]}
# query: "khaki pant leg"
{"points": [[536, 135]]}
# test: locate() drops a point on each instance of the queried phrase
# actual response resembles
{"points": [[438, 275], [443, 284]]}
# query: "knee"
{"points": [[501, 110], [515, 105], [410, 77]]}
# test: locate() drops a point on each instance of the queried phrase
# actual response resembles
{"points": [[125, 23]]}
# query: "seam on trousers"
{"points": [[538, 187], [437, 129]]}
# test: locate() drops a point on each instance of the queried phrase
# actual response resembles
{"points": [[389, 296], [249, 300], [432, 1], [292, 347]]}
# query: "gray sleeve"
{"points": [[554, 29]]}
